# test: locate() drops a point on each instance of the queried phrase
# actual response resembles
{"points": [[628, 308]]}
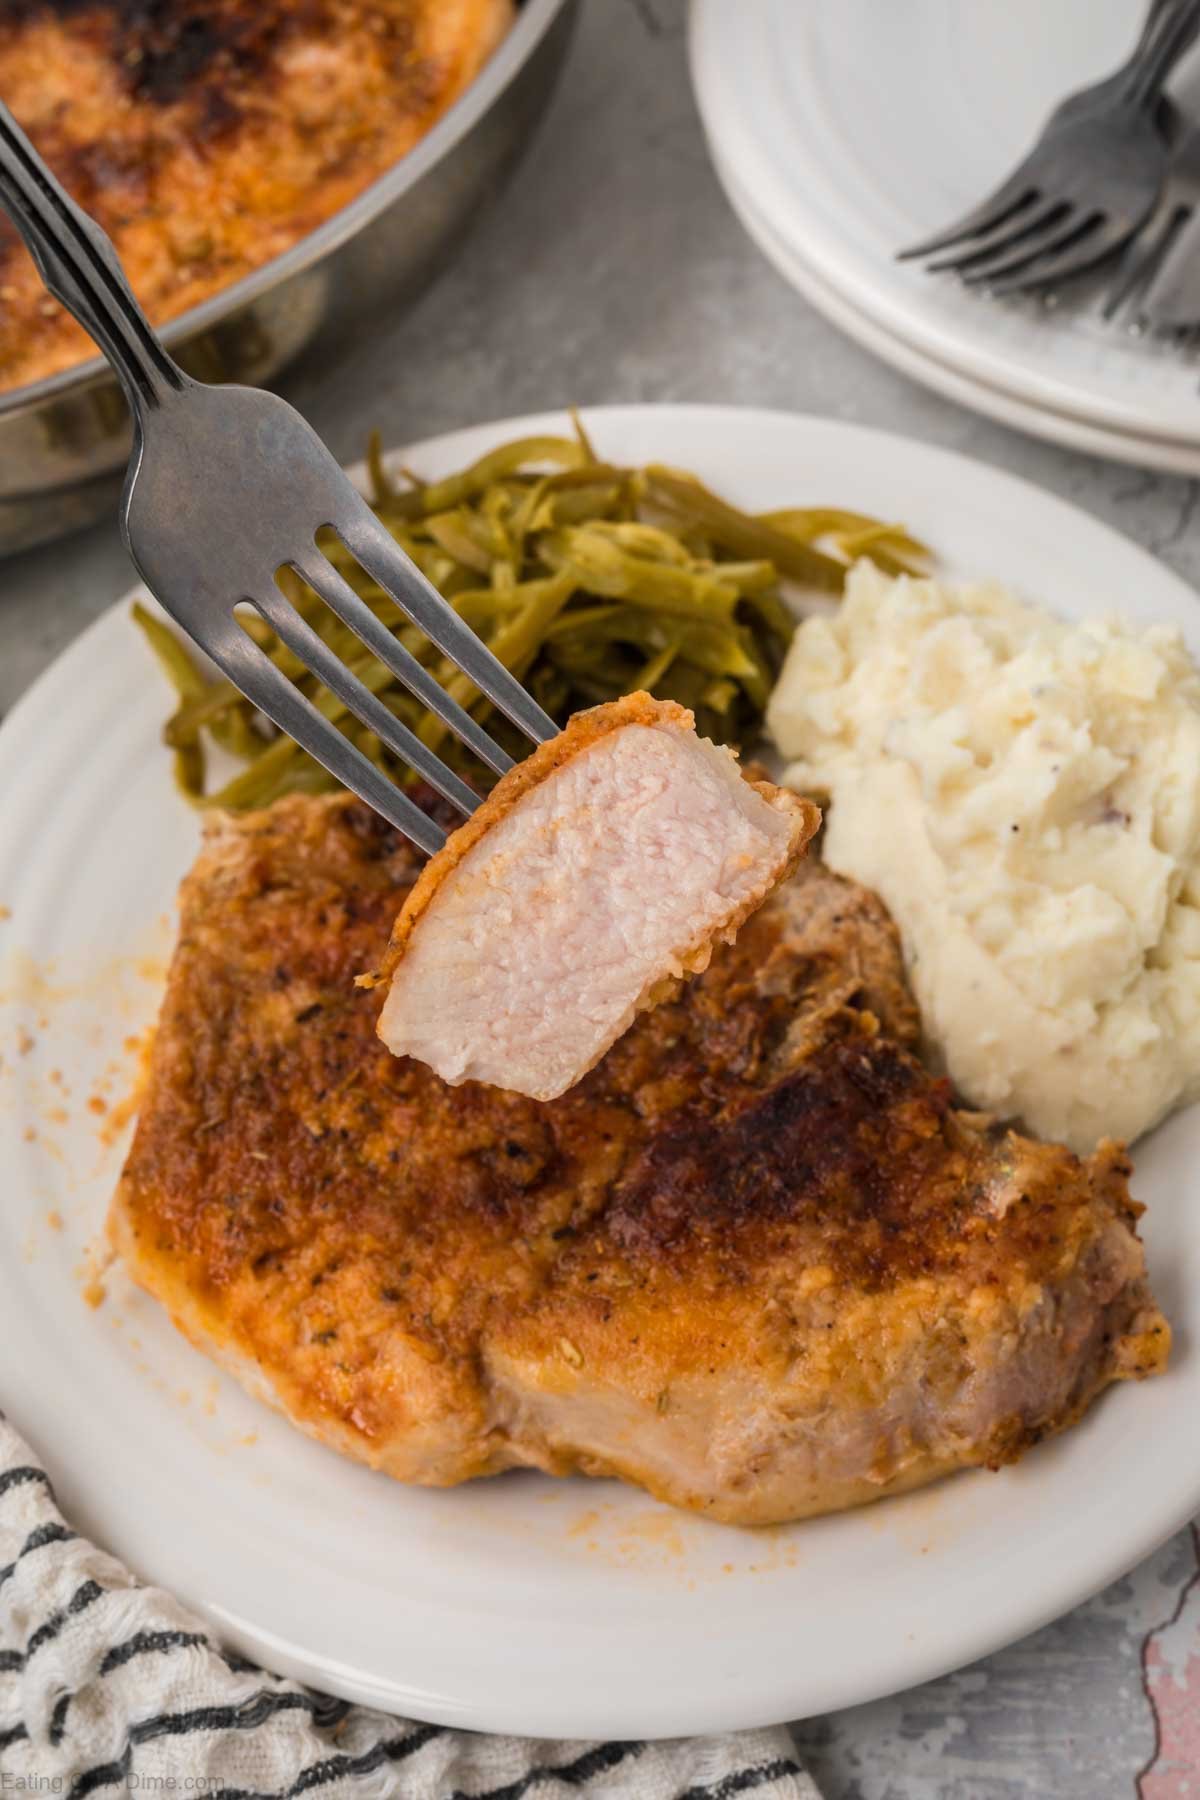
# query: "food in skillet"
{"points": [[755, 1261], [207, 138], [600, 871]]}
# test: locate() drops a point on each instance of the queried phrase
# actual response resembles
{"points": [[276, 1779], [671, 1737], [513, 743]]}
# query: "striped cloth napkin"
{"points": [[107, 1686]]}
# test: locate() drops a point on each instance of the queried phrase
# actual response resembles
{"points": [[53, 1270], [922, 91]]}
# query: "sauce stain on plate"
{"points": [[46, 1011], [659, 1538]]}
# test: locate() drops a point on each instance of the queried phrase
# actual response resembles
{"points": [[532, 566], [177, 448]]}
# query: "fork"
{"points": [[1158, 271], [228, 485], [1090, 182], [1170, 301]]}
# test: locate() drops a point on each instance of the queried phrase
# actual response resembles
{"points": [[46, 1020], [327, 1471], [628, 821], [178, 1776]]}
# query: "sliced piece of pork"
{"points": [[599, 873]]}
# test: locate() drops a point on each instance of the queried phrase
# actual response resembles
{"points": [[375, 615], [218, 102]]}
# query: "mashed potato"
{"points": [[1025, 795]]}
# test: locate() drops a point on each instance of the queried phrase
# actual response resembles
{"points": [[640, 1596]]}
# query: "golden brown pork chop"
{"points": [[598, 873], [755, 1261]]}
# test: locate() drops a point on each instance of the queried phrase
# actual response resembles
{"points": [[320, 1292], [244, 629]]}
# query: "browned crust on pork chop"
{"points": [[755, 1261]]}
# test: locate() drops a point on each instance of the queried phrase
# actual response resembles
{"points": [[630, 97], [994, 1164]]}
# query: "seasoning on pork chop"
{"points": [[598, 873], [755, 1261]]}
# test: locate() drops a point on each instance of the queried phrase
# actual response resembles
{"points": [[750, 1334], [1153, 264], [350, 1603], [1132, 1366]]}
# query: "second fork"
{"points": [[1089, 183]]}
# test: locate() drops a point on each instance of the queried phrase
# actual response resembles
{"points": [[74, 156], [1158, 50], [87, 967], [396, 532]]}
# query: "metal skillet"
{"points": [[65, 441]]}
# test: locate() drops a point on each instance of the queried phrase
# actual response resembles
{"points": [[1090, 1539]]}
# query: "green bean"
{"points": [[383, 488], [458, 536], [567, 506], [385, 496], [855, 535], [581, 436], [750, 578], [720, 694], [215, 704], [440, 496], [742, 533], [585, 618], [649, 541], [585, 578], [652, 672], [186, 679], [516, 641], [178, 666], [601, 567]]}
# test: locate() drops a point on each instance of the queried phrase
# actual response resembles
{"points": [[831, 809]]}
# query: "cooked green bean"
{"points": [[686, 498], [586, 579], [853, 535], [438, 496]]}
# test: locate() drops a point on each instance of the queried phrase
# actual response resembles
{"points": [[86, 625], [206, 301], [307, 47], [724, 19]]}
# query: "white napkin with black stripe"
{"points": [[107, 1686]]}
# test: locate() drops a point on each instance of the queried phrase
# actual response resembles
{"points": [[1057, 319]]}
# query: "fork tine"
{"points": [[353, 611], [253, 672], [316, 655], [1065, 229], [1082, 253], [382, 557], [1140, 262], [1008, 199], [1029, 223]]}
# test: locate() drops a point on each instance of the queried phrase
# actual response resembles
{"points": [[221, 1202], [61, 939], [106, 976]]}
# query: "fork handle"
{"points": [[1170, 29], [80, 268]]}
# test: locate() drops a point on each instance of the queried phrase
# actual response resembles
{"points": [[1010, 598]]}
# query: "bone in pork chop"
{"points": [[755, 1261], [597, 874]]}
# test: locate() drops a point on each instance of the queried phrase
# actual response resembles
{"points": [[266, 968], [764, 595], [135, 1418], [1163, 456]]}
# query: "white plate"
{"points": [[943, 378], [858, 128], [522, 1604]]}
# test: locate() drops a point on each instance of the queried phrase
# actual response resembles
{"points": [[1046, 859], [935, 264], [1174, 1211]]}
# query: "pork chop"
{"points": [[755, 1261], [598, 873]]}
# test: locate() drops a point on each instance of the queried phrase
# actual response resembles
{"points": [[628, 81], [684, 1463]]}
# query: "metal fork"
{"points": [[1089, 183], [228, 485], [1171, 301], [1158, 277]]}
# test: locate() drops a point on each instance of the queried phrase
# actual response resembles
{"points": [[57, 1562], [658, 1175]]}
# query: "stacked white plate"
{"points": [[843, 132]]}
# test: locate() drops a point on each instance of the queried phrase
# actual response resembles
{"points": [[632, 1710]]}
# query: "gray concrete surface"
{"points": [[615, 271]]}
